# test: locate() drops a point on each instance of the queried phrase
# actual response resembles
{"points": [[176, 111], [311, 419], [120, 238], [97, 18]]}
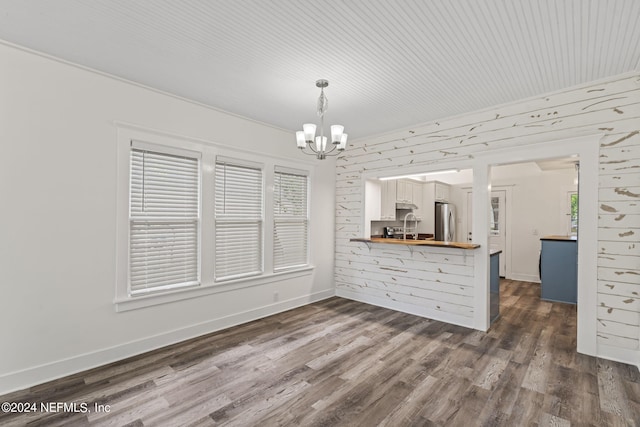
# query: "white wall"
{"points": [[539, 207], [58, 219]]}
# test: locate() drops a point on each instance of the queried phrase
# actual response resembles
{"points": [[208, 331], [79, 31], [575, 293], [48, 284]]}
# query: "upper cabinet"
{"points": [[404, 191], [388, 200], [380, 200], [418, 198], [382, 197], [442, 192], [411, 192]]}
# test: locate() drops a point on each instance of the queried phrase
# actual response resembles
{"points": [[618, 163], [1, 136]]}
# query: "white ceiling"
{"points": [[391, 64]]}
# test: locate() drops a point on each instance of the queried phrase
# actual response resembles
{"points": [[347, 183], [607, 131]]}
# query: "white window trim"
{"points": [[209, 151], [210, 289]]}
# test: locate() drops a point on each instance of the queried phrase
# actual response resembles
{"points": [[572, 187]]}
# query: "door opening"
{"points": [[498, 226]]}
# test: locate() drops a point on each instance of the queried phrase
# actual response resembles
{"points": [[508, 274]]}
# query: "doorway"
{"points": [[498, 226]]}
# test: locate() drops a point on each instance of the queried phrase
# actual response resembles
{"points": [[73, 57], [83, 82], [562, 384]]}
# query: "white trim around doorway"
{"points": [[586, 148]]}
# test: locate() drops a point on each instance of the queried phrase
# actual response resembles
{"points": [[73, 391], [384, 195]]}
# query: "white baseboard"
{"points": [[407, 308], [617, 354], [525, 277], [47, 372]]}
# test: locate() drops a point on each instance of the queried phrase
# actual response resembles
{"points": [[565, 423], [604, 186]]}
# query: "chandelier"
{"points": [[307, 139]]}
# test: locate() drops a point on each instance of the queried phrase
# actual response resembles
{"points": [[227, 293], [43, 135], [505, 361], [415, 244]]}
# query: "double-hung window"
{"points": [[195, 219], [238, 219], [164, 218], [290, 218]]}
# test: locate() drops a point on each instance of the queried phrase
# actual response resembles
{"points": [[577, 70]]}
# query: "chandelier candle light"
{"points": [[305, 138]]}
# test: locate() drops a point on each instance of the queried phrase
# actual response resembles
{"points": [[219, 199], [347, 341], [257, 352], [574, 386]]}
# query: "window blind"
{"points": [[164, 221], [291, 220], [238, 219]]}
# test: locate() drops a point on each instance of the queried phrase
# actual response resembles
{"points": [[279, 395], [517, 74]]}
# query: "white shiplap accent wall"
{"points": [[431, 282], [610, 107]]}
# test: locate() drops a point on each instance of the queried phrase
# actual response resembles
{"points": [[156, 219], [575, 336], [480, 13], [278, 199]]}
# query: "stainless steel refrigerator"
{"points": [[445, 229]]}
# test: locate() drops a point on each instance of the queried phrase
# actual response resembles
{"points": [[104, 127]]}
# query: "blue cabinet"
{"points": [[494, 285], [559, 269]]}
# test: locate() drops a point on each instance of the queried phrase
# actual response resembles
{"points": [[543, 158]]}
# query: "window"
{"points": [[290, 219], [494, 215], [573, 209], [238, 219], [163, 219], [193, 219]]}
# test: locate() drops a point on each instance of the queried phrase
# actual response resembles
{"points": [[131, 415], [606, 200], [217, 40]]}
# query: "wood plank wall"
{"points": [[396, 276], [611, 107]]}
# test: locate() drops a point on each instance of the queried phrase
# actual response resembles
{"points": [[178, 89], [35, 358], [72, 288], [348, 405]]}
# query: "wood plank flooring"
{"points": [[344, 363]]}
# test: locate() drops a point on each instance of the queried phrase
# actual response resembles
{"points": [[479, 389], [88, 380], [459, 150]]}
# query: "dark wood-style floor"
{"points": [[343, 363]]}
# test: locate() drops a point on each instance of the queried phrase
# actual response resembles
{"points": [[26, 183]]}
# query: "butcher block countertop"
{"points": [[411, 242], [574, 238]]}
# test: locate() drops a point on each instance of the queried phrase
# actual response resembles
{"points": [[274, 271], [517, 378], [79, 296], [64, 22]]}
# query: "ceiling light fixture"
{"points": [[306, 138]]}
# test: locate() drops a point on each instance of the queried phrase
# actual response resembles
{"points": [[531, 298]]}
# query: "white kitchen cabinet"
{"points": [[442, 192], [404, 191], [388, 200], [418, 198]]}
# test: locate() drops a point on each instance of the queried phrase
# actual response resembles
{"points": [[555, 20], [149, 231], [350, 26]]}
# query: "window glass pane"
{"points": [[164, 221], [290, 220], [238, 191], [495, 215], [238, 249], [573, 200], [238, 220]]}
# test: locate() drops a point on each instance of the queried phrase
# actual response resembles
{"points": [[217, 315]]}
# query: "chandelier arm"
{"points": [[316, 152], [333, 155], [313, 150], [333, 148], [310, 147]]}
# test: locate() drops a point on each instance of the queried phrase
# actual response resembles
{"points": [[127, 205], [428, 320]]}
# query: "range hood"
{"points": [[409, 206]]}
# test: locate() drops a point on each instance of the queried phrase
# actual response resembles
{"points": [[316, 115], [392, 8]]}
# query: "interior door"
{"points": [[497, 230]]}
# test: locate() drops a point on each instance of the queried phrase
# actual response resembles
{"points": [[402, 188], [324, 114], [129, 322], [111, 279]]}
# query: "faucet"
{"points": [[414, 231]]}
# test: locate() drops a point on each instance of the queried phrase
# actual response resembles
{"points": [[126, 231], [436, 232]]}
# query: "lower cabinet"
{"points": [[494, 286], [559, 270]]}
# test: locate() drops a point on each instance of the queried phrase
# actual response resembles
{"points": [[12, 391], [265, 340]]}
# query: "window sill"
{"points": [[142, 301]]}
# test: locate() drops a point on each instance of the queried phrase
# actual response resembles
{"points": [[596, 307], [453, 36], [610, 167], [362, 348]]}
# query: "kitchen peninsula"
{"points": [[428, 278], [405, 255]]}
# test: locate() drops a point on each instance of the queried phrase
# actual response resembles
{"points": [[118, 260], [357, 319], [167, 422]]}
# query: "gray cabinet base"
{"points": [[559, 271]]}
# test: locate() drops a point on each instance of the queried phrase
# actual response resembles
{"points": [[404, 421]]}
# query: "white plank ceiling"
{"points": [[391, 64]]}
